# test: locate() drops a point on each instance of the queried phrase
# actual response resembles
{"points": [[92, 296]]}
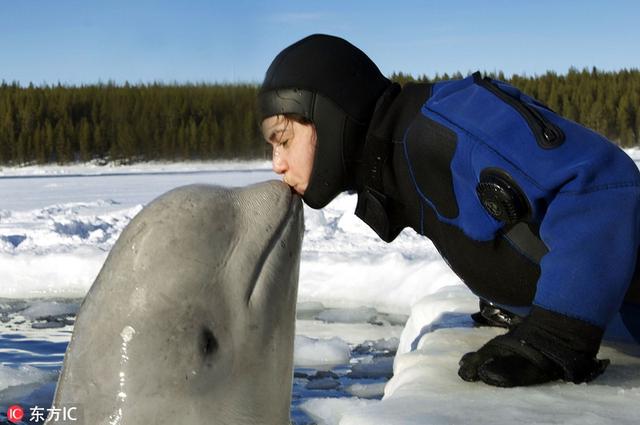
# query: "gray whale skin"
{"points": [[191, 319]]}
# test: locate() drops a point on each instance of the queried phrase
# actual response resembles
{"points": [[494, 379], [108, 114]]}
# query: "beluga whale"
{"points": [[191, 318]]}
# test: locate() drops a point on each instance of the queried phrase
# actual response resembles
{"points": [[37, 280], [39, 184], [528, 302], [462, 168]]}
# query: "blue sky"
{"points": [[83, 42]]}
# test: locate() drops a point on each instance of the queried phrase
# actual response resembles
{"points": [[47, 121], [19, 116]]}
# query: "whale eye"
{"points": [[208, 342]]}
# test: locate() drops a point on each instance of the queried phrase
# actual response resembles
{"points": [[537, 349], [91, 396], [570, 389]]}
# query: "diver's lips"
{"points": [[295, 205]]}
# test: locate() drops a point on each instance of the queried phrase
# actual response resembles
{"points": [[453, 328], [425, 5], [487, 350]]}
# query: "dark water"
{"points": [[42, 343]]}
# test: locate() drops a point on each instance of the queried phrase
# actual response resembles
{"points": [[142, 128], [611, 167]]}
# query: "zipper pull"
{"points": [[549, 136], [553, 136]]}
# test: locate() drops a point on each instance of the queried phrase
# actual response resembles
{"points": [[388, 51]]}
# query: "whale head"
{"points": [[191, 319]]}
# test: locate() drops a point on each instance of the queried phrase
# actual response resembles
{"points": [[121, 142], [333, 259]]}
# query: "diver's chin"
{"points": [[298, 190], [295, 188]]}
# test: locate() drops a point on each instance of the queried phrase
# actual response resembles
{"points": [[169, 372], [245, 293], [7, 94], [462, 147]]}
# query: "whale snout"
{"points": [[276, 230], [269, 202]]}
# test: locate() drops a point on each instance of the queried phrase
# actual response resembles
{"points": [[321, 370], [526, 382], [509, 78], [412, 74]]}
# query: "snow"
{"points": [[43, 309], [22, 375], [366, 390], [96, 168], [57, 225], [320, 353], [425, 388], [330, 411], [358, 315], [353, 334]]}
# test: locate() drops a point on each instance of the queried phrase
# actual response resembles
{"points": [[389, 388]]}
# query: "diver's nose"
{"points": [[278, 160]]}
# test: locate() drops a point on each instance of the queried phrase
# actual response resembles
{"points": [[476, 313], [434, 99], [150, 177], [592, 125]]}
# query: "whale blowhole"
{"points": [[208, 342]]}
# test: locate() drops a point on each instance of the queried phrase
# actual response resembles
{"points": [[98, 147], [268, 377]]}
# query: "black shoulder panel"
{"points": [[410, 101], [430, 147]]}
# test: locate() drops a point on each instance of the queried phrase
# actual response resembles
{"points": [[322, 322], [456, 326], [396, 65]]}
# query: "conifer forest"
{"points": [[129, 123]]}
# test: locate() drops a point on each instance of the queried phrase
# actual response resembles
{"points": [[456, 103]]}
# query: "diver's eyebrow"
{"points": [[276, 131]]}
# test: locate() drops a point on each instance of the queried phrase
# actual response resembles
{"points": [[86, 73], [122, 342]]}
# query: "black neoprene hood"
{"points": [[335, 85]]}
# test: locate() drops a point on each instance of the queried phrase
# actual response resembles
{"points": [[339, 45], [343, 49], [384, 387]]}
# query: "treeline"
{"points": [[180, 122], [127, 123]]}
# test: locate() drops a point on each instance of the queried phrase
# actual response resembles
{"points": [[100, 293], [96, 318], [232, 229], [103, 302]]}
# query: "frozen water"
{"points": [[343, 315], [331, 410], [352, 333], [425, 388], [44, 309], [375, 390], [323, 354], [57, 225], [21, 375], [375, 368]]}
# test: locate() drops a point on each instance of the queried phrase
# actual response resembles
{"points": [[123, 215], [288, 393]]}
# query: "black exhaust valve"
{"points": [[501, 196]]}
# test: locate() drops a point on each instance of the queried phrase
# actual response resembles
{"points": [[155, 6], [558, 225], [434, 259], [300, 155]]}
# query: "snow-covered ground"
{"points": [[57, 225]]}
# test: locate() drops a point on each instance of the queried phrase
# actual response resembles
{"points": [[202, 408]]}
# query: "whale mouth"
{"points": [[294, 210]]}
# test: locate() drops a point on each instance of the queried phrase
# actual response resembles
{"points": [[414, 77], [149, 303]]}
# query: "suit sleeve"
{"points": [[592, 236]]}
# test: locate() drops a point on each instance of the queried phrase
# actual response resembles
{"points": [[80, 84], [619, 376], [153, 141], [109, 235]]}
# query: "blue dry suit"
{"points": [[567, 239]]}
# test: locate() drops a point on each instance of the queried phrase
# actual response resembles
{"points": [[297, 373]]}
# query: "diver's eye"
{"points": [[208, 342]]}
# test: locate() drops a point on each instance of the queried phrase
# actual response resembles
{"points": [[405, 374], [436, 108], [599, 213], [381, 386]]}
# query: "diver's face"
{"points": [[294, 146]]}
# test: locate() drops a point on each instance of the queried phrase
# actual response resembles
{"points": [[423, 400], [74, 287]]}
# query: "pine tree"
{"points": [[192, 138], [249, 132], [49, 141], [215, 138], [124, 148], [7, 137], [596, 116], [637, 126], [204, 137], [181, 144], [626, 121], [11, 135], [21, 155], [62, 143], [554, 101], [98, 142], [40, 155], [227, 136], [84, 140]]}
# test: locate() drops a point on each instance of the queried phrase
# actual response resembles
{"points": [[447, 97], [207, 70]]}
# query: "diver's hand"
{"points": [[545, 347], [506, 362]]}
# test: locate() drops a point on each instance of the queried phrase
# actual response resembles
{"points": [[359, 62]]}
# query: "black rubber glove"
{"points": [[545, 347]]}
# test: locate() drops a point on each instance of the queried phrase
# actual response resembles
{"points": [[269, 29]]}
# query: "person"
{"points": [[538, 215]]}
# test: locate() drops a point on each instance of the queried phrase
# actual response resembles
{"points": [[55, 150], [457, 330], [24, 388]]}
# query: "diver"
{"points": [[538, 215]]}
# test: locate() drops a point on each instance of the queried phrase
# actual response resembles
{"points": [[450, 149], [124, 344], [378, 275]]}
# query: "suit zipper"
{"points": [[547, 134]]}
